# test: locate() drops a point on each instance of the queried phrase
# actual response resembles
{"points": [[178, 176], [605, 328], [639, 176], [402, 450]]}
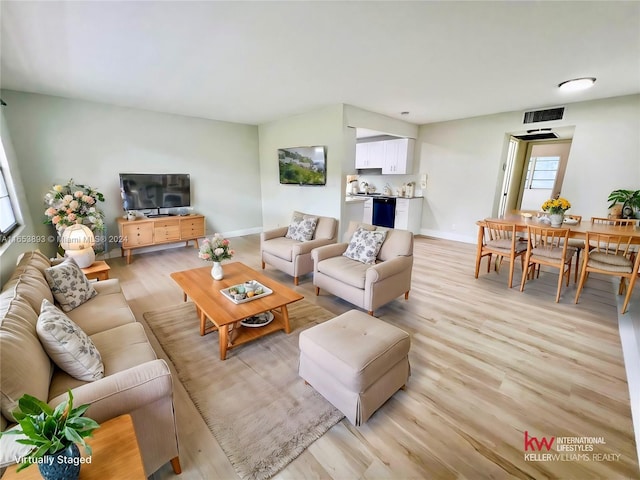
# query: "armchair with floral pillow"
{"points": [[289, 248]]}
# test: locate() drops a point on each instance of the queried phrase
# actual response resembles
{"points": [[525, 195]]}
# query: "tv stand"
{"points": [[145, 232], [160, 215]]}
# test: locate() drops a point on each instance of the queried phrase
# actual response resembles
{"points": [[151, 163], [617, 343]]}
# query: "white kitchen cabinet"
{"points": [[370, 155], [367, 216], [408, 214], [398, 156]]}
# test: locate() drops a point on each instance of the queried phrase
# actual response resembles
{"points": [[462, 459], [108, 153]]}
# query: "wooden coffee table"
{"points": [[225, 315]]}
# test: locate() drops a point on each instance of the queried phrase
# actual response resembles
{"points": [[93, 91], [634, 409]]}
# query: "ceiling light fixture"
{"points": [[577, 84]]}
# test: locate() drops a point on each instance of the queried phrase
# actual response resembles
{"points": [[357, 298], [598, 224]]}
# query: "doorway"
{"points": [[534, 172]]}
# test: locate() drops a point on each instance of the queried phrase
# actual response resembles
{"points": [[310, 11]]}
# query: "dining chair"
{"points": [[610, 254], [500, 239], [618, 222], [548, 246], [576, 243]]}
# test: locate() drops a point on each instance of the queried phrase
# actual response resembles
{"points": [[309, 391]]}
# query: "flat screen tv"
{"points": [[141, 191], [303, 165]]}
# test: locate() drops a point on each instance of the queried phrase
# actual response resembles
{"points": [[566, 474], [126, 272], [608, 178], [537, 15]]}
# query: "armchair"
{"points": [[367, 286], [293, 256]]}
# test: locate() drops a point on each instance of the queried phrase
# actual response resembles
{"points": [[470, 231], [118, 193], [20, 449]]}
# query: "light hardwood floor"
{"points": [[488, 364]]}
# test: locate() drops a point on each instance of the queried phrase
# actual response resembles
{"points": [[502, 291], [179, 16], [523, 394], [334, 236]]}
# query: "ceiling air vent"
{"points": [[544, 115]]}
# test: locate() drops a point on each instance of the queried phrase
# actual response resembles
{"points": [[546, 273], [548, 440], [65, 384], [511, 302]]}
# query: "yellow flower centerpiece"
{"points": [[556, 208]]}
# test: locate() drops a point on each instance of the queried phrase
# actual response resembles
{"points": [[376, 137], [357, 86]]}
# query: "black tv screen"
{"points": [[142, 191], [303, 165]]}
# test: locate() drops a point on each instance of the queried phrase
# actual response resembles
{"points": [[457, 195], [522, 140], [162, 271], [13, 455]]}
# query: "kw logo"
{"points": [[532, 443]]}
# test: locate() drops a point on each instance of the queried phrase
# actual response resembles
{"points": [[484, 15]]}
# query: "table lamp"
{"points": [[78, 241]]}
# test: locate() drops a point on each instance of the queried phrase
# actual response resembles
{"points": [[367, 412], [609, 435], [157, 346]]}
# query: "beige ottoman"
{"points": [[355, 361]]}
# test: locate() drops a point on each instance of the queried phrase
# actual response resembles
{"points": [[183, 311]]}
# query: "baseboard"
{"points": [[448, 236]]}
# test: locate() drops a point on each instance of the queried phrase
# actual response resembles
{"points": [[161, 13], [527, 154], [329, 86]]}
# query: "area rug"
{"points": [[257, 407]]}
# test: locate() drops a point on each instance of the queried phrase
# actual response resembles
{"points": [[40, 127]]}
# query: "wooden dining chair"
{"points": [[548, 246], [576, 243], [610, 254], [618, 222], [500, 239]]}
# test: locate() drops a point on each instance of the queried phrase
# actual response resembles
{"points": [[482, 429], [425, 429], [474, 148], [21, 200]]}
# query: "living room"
{"points": [[53, 134]]}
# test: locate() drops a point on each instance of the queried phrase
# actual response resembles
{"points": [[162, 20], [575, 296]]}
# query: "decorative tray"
{"points": [[240, 293], [259, 320]]}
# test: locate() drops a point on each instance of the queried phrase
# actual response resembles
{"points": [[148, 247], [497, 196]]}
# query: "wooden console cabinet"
{"points": [[145, 232]]}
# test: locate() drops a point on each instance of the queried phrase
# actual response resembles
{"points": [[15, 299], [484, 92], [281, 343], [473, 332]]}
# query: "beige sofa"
{"points": [[367, 286], [293, 257], [134, 381]]}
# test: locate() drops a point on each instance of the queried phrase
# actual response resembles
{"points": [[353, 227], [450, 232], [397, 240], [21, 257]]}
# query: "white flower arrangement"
{"points": [[69, 204]]}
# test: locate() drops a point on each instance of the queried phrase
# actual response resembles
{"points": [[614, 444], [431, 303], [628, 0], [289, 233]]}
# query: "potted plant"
{"points": [[630, 200], [556, 208], [54, 435]]}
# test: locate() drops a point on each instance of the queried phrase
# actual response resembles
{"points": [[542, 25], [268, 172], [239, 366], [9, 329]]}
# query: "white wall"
{"points": [[23, 239], [464, 158], [57, 139], [320, 127]]}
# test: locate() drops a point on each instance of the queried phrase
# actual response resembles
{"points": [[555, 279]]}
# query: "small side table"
{"points": [[115, 455], [98, 270]]}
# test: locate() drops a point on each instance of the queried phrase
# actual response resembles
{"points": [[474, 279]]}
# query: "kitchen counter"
{"points": [[362, 197]]}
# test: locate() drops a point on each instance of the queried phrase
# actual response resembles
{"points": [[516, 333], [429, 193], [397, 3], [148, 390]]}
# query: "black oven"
{"points": [[384, 211]]}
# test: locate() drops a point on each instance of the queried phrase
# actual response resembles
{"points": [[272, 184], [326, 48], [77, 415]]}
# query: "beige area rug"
{"points": [[259, 410]]}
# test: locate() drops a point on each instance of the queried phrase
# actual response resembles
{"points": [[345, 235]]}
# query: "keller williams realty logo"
{"points": [[536, 445], [566, 449]]}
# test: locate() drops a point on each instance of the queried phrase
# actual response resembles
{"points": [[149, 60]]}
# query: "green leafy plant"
{"points": [[50, 430], [629, 198]]}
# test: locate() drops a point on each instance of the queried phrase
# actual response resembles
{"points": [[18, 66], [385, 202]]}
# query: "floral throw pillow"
{"points": [[302, 227], [67, 345], [365, 245], [69, 285]]}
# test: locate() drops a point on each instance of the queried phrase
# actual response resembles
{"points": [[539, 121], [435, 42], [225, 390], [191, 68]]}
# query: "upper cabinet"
{"points": [[392, 156], [370, 155]]}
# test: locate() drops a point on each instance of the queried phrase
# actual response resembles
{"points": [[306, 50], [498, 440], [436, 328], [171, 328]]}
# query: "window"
{"points": [[542, 172], [8, 221]]}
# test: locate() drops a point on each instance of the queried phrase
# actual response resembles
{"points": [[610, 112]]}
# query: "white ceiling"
{"points": [[254, 62]]}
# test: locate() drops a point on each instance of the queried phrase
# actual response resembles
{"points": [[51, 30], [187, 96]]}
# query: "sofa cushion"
{"points": [[121, 348], [69, 285], [19, 342], [32, 286], [345, 270], [105, 311], [34, 259], [67, 345], [302, 227], [365, 245]]}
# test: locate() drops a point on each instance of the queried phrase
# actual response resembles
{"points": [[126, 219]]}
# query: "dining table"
{"points": [[576, 230]]}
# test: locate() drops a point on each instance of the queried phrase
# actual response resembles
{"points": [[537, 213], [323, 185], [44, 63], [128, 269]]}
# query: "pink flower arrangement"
{"points": [[70, 203], [215, 250]]}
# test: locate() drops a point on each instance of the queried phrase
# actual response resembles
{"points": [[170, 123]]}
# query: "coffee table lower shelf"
{"points": [[237, 334]]}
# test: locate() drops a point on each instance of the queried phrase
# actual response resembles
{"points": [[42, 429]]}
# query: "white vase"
{"points": [[556, 219], [216, 271]]}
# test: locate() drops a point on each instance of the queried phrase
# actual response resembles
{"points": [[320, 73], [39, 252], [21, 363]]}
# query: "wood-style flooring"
{"points": [[489, 365]]}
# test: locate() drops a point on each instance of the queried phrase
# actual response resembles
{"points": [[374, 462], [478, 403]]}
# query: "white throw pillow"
{"points": [[365, 245], [302, 227], [70, 287], [67, 345]]}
